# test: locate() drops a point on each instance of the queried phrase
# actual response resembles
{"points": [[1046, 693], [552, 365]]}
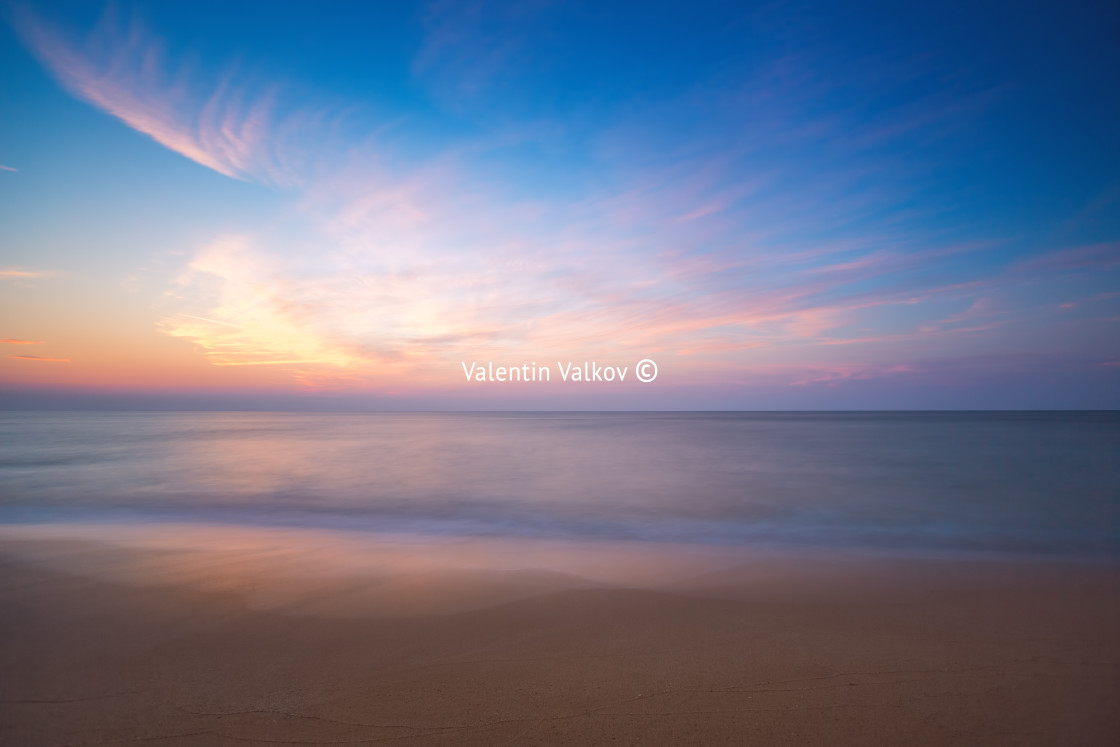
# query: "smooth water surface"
{"points": [[1009, 482]]}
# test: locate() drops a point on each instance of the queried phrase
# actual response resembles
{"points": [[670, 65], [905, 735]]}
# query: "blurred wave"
{"points": [[1042, 483]]}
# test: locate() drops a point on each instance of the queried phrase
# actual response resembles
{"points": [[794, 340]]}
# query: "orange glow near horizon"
{"points": [[198, 228]]}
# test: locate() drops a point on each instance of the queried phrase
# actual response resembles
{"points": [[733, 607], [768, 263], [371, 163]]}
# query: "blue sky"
{"points": [[787, 205]]}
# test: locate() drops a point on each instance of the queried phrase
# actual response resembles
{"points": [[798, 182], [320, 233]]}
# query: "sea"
{"points": [[1033, 483]]}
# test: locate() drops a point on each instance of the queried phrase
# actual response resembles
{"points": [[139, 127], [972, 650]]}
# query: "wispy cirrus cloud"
{"points": [[981, 309], [222, 121], [20, 342], [728, 224], [40, 358], [14, 273], [1104, 255], [471, 52]]}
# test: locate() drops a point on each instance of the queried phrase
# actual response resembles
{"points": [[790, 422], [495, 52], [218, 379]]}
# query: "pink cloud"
{"points": [[14, 274], [122, 69], [1101, 255]]}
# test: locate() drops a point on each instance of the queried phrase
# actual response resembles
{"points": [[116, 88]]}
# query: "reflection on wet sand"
{"points": [[354, 574], [340, 573]]}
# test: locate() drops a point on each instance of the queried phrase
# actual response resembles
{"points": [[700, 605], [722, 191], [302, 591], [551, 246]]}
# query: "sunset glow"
{"points": [[781, 220]]}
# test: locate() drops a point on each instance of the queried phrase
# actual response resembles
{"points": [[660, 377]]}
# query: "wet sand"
{"points": [[854, 652]]}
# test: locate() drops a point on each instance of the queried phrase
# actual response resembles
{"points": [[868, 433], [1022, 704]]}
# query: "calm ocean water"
{"points": [[1045, 483]]}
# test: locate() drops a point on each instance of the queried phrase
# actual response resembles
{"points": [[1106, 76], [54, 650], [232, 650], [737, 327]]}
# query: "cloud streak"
{"points": [[241, 131], [725, 227], [18, 274]]}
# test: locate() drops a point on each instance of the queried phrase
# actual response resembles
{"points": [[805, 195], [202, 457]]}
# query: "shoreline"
{"points": [[86, 520], [283, 565]]}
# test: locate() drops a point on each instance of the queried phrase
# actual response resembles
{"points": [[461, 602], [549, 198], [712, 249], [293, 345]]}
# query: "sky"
{"points": [[785, 205]]}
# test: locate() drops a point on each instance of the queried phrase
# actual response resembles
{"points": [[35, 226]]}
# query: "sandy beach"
{"points": [[867, 651]]}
